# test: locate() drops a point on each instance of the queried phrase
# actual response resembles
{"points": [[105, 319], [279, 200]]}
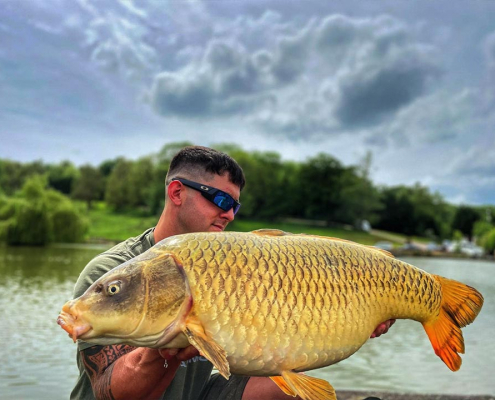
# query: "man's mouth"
{"points": [[219, 227]]}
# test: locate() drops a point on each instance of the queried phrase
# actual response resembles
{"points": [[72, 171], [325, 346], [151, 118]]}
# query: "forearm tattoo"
{"points": [[99, 362]]}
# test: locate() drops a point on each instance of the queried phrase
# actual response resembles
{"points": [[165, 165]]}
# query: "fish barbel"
{"points": [[268, 303]]}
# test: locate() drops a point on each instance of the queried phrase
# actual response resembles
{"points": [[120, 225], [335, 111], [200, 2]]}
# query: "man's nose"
{"points": [[229, 215]]}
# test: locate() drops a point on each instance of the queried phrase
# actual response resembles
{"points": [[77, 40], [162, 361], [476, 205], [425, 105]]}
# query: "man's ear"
{"points": [[175, 192]]}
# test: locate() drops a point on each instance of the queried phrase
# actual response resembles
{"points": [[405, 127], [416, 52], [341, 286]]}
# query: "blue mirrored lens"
{"points": [[224, 201]]}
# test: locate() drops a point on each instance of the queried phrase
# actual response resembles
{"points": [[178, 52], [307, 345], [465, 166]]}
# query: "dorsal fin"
{"points": [[278, 232], [271, 232]]}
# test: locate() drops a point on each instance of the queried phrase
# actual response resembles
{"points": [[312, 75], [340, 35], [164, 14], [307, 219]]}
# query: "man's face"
{"points": [[198, 214]]}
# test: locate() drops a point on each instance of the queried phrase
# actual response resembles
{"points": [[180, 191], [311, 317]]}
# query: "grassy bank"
{"points": [[106, 225]]}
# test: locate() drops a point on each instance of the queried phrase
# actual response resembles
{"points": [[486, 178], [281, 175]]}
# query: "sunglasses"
{"points": [[221, 199]]}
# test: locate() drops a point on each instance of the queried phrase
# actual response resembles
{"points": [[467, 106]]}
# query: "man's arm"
{"points": [[124, 372]]}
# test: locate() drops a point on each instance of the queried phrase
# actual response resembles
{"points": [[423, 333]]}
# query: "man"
{"points": [[127, 372]]}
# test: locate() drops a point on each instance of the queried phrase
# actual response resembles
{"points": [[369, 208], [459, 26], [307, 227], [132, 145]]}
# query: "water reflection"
{"points": [[39, 358]]}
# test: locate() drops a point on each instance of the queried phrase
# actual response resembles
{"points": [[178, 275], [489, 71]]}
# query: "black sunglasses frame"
{"points": [[210, 193]]}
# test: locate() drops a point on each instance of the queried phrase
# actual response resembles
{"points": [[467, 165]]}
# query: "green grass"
{"points": [[106, 225]]}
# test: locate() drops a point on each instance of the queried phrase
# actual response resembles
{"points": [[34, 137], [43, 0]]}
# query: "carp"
{"points": [[268, 303]]}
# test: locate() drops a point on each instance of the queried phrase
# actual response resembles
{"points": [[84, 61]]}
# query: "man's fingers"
{"points": [[168, 354], [382, 328], [187, 353]]}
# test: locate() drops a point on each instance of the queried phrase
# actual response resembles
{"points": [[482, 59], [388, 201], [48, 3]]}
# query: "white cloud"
{"points": [[360, 71], [285, 76], [439, 117]]}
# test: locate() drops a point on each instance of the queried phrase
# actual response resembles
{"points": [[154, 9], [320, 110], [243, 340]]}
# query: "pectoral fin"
{"points": [[207, 346], [307, 387]]}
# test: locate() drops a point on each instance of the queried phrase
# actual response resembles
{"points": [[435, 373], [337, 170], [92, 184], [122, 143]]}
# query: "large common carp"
{"points": [[268, 303]]}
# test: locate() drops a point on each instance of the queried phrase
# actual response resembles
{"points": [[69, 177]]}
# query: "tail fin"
{"points": [[460, 306]]}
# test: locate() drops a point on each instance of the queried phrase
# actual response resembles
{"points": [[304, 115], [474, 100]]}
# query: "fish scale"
{"points": [[287, 273], [269, 303]]}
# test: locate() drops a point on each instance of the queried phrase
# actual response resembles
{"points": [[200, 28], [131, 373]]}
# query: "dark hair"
{"points": [[199, 160]]}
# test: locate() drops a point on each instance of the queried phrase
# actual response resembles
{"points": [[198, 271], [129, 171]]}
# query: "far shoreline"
{"points": [[361, 395]]}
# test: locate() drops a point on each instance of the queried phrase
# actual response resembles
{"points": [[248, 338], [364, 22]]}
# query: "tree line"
{"points": [[319, 188]]}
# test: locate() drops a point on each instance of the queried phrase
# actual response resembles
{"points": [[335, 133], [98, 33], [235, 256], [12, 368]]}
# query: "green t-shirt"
{"points": [[191, 376]]}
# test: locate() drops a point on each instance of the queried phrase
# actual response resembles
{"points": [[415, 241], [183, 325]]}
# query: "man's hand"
{"points": [[382, 328], [179, 354]]}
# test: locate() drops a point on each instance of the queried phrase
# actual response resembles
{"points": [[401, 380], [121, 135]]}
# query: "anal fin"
{"points": [[309, 388], [207, 346], [282, 384]]}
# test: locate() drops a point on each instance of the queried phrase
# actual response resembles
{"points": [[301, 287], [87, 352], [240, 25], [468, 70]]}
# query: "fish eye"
{"points": [[113, 288]]}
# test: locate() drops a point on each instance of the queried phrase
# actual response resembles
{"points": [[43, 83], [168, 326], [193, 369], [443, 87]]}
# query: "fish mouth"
{"points": [[69, 322]]}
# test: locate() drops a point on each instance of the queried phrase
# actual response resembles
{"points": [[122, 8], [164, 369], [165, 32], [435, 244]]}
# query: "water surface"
{"points": [[39, 358]]}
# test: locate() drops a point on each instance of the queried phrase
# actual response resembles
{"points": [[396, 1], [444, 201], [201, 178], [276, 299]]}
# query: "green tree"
{"points": [[361, 200], [66, 222], [118, 189], [13, 174], [321, 187], [62, 176], [107, 166], [481, 228], [268, 180], [488, 241], [465, 218], [36, 216], [140, 183], [90, 185], [414, 211]]}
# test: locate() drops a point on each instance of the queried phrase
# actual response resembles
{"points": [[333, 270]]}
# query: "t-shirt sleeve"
{"points": [[97, 267]]}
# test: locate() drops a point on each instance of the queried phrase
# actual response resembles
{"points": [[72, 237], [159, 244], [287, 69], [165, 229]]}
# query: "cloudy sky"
{"points": [[412, 82]]}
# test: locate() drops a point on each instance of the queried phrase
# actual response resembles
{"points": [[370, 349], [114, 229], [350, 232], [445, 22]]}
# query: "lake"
{"points": [[39, 358]]}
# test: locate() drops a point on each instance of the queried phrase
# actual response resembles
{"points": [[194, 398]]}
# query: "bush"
{"points": [[29, 225], [36, 216], [67, 225], [481, 228], [488, 241]]}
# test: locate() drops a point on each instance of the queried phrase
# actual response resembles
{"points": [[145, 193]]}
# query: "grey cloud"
{"points": [[440, 117], [385, 69], [119, 45], [221, 56], [290, 57], [173, 94], [373, 68], [226, 81], [489, 49], [475, 168], [489, 53], [365, 97]]}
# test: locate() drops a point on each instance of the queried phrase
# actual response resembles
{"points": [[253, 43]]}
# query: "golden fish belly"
{"points": [[297, 302]]}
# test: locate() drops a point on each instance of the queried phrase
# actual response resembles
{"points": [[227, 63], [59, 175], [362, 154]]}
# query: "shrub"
{"points": [[36, 216], [29, 224], [488, 241], [67, 225]]}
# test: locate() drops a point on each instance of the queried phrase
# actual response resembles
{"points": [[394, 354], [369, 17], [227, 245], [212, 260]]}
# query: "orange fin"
{"points": [[270, 232], [277, 232], [460, 306], [206, 345], [307, 387], [282, 384]]}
